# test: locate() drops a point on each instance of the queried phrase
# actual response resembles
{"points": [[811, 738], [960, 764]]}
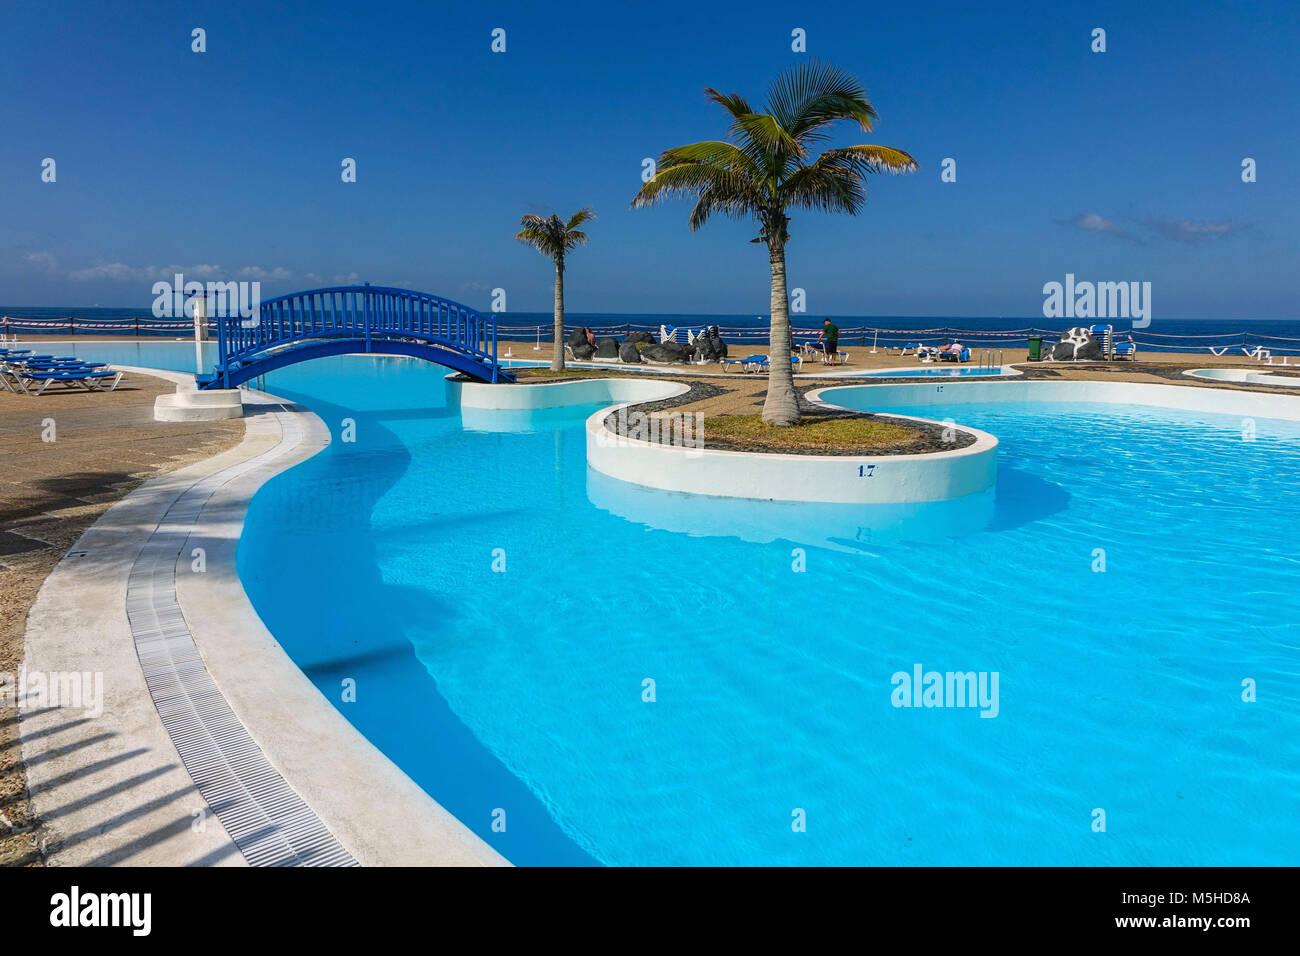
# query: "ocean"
{"points": [[1280, 335]]}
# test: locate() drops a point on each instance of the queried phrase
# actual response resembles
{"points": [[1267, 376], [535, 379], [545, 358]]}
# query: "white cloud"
{"points": [[1184, 230], [257, 272], [120, 271], [44, 261], [109, 270], [1094, 222]]}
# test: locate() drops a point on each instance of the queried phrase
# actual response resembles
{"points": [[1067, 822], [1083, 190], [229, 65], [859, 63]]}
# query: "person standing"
{"points": [[830, 342]]}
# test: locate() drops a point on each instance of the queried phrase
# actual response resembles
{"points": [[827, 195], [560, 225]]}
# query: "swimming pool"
{"points": [[772, 631]]}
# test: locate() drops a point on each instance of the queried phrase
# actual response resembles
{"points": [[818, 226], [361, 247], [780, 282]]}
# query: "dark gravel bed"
{"points": [[696, 392]]}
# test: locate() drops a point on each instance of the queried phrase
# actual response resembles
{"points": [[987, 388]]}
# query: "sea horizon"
{"points": [[505, 318]]}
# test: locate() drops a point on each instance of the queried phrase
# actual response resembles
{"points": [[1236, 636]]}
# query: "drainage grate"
{"points": [[266, 818]]}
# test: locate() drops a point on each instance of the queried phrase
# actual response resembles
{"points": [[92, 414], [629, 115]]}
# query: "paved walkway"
{"points": [[103, 446]]}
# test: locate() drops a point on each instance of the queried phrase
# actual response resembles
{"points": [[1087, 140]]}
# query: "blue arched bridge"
{"points": [[352, 319]]}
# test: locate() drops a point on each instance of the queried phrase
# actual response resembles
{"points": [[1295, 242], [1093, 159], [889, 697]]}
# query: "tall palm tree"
{"points": [[554, 238], [765, 168]]}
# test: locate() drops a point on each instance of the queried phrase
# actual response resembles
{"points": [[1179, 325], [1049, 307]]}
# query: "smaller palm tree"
{"points": [[554, 238]]}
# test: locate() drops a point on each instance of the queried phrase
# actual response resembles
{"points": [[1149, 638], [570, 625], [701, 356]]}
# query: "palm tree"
{"points": [[554, 238], [765, 168]]}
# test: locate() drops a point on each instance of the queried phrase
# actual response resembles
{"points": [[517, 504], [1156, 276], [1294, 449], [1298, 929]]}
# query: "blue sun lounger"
{"points": [[759, 363], [747, 364], [91, 378]]}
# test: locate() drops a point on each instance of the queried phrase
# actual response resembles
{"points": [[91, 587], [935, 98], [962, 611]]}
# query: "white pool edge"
{"points": [[1244, 376]]}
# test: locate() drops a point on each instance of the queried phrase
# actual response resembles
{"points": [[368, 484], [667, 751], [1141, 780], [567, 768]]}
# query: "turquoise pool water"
{"points": [[1118, 689]]}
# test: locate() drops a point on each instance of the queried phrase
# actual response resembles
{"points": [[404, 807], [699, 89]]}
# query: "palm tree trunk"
{"points": [[781, 406], [557, 357]]}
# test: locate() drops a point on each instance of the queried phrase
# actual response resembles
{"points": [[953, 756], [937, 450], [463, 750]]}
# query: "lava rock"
{"points": [[645, 338], [629, 353], [579, 336], [607, 348], [709, 345], [1077, 344], [583, 352], [668, 353]]}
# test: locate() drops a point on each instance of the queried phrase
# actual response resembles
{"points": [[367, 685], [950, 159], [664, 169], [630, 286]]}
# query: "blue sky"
{"points": [[1123, 165]]}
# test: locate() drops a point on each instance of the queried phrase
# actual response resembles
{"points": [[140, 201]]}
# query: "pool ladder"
{"points": [[990, 359]]}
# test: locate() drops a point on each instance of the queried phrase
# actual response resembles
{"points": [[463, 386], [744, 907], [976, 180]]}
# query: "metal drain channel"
{"points": [[269, 822]]}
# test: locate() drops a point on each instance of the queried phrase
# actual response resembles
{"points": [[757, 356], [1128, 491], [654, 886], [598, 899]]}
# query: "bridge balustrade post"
{"points": [[221, 352], [367, 296]]}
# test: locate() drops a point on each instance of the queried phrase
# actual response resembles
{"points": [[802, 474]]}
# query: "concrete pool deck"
{"points": [[258, 766]]}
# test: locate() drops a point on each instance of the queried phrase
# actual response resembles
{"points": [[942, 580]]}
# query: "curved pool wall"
{"points": [[940, 371], [1246, 376], [496, 407], [829, 525], [839, 479], [771, 642], [1215, 401]]}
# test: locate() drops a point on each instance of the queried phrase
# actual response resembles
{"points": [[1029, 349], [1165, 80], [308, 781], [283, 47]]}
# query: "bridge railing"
{"points": [[356, 312]]}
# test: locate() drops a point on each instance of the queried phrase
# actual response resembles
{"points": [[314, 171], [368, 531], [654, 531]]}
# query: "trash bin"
{"points": [[1035, 348]]}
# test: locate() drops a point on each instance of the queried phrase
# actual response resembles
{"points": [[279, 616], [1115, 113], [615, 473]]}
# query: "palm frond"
{"points": [[733, 103], [579, 217], [809, 97], [763, 136], [874, 159], [728, 187]]}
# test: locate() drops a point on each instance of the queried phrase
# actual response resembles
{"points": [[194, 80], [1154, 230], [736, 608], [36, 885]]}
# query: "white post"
{"points": [[874, 341], [200, 326]]}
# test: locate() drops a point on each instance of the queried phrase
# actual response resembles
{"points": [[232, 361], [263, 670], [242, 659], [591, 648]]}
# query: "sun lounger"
{"points": [[759, 363], [1105, 335], [964, 355], [91, 379], [54, 363], [749, 363], [1126, 350]]}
